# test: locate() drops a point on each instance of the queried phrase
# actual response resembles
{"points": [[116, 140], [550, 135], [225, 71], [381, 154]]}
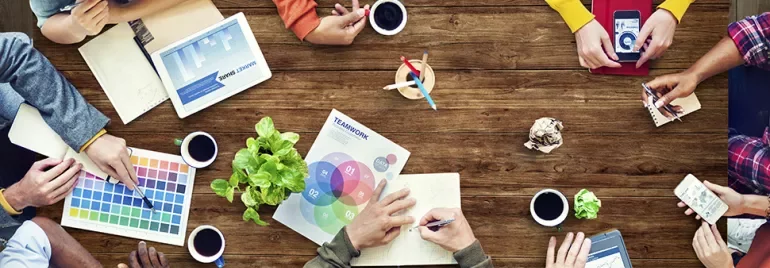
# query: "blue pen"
{"points": [[424, 92]]}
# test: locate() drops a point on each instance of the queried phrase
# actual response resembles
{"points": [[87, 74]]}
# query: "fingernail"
{"points": [[658, 104], [366, 12], [406, 190], [142, 242], [361, 12]]}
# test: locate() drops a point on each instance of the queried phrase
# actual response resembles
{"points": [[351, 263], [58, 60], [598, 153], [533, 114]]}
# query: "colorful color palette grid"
{"points": [[98, 205]]}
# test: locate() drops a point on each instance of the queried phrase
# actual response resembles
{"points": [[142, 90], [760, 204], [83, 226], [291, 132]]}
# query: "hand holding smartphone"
{"points": [[700, 199]]}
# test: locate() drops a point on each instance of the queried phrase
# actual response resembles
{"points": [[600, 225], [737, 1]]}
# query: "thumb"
{"points": [[353, 17], [719, 190]]}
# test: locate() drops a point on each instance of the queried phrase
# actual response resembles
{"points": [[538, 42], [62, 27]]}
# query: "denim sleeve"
{"points": [[31, 75], [44, 9]]}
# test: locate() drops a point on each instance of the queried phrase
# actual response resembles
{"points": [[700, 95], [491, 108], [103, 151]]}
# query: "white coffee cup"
{"points": [[184, 145], [554, 222], [217, 258], [379, 29]]}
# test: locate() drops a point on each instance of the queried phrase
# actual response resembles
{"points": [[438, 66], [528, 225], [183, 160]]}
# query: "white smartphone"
{"points": [[700, 199]]}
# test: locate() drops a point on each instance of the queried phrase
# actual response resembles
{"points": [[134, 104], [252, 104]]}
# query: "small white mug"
{"points": [[217, 258], [554, 222], [379, 29], [184, 145]]}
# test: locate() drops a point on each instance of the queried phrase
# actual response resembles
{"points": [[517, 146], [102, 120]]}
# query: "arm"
{"points": [[298, 15], [676, 7], [31, 75], [473, 256], [756, 204], [137, 9], [722, 57], [573, 12], [751, 36], [336, 253], [62, 29]]}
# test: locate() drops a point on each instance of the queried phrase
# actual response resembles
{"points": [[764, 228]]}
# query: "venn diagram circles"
{"points": [[336, 187]]}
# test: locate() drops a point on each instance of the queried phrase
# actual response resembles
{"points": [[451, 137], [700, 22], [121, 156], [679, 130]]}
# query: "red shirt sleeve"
{"points": [[298, 15], [752, 37]]}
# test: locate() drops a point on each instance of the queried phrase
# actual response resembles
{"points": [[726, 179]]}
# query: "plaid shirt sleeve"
{"points": [[749, 163], [752, 37]]}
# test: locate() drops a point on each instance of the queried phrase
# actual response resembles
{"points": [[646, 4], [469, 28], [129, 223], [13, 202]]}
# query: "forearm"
{"points": [[573, 12], [336, 254], [61, 29], [473, 256], [721, 58], [756, 205], [298, 15], [63, 108], [137, 9]]}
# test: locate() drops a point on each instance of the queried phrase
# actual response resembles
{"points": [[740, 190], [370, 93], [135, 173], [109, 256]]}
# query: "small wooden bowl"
{"points": [[413, 92]]}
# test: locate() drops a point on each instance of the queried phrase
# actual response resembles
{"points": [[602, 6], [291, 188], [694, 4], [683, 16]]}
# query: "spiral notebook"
{"points": [[119, 57], [688, 104]]}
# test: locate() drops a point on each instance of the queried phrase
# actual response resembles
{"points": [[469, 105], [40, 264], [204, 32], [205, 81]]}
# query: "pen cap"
{"points": [[412, 92]]}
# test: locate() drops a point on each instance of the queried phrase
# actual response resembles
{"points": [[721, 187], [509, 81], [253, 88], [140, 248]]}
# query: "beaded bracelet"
{"points": [[767, 210]]}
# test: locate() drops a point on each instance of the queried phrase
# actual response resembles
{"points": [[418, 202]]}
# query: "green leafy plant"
{"points": [[269, 167]]}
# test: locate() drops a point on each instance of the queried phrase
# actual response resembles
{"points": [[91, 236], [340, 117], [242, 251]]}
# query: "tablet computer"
{"points": [[211, 65], [608, 251]]}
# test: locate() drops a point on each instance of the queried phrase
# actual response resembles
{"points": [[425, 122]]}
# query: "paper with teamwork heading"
{"points": [[346, 162]]}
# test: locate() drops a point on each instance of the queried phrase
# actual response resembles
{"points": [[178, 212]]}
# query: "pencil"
{"points": [[424, 92], [399, 85], [424, 63], [411, 67], [144, 198], [437, 223]]}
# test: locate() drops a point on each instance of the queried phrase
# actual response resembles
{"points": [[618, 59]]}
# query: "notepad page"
{"points": [[689, 104], [430, 191], [124, 73], [30, 131]]}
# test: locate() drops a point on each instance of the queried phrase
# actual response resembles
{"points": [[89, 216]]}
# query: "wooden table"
{"points": [[500, 65]]}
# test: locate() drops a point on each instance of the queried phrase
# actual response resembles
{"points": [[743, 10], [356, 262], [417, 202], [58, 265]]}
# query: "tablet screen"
{"points": [[210, 66], [608, 258]]}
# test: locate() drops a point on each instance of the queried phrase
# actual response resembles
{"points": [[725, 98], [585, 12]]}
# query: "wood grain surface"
{"points": [[500, 64]]}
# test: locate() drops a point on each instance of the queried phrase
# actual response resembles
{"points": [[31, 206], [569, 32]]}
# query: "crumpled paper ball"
{"points": [[545, 135]]}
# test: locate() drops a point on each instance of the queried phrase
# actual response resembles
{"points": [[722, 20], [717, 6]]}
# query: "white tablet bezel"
{"points": [[165, 78]]}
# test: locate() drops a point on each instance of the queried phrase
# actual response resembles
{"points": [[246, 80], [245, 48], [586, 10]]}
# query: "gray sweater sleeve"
{"points": [[31, 75], [473, 257], [335, 254]]}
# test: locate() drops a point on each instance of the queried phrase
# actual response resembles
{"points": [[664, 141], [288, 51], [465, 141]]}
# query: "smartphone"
{"points": [[627, 26], [700, 199]]}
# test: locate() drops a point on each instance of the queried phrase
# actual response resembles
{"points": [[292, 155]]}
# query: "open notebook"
{"points": [[123, 69], [689, 104], [30, 131], [430, 191]]}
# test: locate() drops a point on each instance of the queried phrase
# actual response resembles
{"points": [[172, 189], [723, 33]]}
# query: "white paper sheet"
{"points": [[430, 191]]}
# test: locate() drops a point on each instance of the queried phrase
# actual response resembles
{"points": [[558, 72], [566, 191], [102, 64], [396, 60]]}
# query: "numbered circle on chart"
{"points": [[337, 185]]}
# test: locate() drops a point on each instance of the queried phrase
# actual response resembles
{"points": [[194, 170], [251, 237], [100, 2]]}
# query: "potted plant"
{"points": [[269, 167]]}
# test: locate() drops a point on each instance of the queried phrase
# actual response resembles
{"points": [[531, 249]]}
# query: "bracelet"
{"points": [[767, 210]]}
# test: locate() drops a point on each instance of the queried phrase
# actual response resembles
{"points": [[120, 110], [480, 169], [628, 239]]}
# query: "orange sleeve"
{"points": [[298, 15]]}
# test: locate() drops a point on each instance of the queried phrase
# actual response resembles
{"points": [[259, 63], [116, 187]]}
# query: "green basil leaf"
{"points": [[234, 180], [220, 187], [252, 145], [260, 179], [229, 194], [244, 159], [248, 199], [290, 137], [265, 127]]}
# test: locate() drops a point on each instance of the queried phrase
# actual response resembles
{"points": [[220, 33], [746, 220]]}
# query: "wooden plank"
{"points": [[16, 16], [184, 260], [425, 3], [664, 233], [469, 101], [470, 38]]}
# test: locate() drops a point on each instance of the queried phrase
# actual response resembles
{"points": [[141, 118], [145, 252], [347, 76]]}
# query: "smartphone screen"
{"points": [[626, 31], [700, 199]]}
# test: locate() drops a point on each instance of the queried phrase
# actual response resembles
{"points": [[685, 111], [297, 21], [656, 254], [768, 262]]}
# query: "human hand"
{"points": [[143, 258], [568, 256], [671, 87], [90, 16], [376, 225], [735, 201], [110, 154], [659, 28], [40, 187], [454, 236], [590, 39], [341, 28], [710, 247]]}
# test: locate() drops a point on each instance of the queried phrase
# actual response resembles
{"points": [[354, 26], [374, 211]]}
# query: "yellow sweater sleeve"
{"points": [[676, 7], [573, 12]]}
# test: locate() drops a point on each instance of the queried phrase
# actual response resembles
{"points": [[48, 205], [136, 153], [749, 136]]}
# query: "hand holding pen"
{"points": [[454, 232]]}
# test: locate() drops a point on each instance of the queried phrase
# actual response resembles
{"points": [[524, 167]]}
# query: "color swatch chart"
{"points": [[97, 205]]}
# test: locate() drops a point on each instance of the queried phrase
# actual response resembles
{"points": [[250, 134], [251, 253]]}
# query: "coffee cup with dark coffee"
{"points": [[206, 244], [549, 207], [198, 149], [388, 17]]}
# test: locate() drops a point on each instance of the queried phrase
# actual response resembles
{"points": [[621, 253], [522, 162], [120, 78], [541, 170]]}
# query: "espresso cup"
{"points": [[206, 245], [388, 17], [549, 207], [198, 149]]}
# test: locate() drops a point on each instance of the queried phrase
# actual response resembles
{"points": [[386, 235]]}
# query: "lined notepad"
{"points": [[689, 104]]}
